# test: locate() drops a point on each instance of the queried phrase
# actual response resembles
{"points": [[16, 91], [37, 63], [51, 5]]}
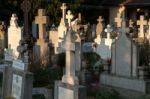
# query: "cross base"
{"points": [[70, 79]]}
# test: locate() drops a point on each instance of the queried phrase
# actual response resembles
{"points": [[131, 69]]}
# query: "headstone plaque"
{"points": [[17, 86], [65, 93]]}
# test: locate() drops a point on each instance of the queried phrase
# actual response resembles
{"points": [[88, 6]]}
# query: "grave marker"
{"points": [[141, 23]]}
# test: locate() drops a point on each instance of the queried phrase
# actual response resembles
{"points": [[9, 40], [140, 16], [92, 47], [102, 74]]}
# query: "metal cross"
{"points": [[26, 6]]}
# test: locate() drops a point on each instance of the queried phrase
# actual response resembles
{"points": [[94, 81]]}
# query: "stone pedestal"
{"points": [[129, 83], [67, 91], [23, 86]]}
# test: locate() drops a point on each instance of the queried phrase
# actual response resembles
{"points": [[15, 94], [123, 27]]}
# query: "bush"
{"points": [[38, 96]]}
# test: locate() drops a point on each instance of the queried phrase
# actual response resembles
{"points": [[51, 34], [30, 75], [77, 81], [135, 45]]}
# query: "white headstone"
{"points": [[14, 35]]}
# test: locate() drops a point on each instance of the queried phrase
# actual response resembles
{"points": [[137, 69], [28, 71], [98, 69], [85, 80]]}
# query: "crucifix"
{"points": [[108, 30], [26, 6], [41, 20], [118, 20], [141, 23], [69, 16], [63, 8]]}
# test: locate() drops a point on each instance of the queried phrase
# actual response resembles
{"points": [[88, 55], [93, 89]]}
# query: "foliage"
{"points": [[9, 97], [104, 95], [38, 96], [145, 54], [92, 59], [46, 77]]}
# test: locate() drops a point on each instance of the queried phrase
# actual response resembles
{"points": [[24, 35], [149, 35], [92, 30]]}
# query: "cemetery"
{"points": [[74, 49]]}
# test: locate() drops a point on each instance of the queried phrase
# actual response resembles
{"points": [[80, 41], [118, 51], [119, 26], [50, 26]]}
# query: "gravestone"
{"points": [[118, 20], [69, 87], [104, 48], [41, 48], [124, 70], [19, 80], [148, 32], [8, 54], [62, 28], [2, 39], [131, 23], [26, 7], [34, 30], [141, 23], [53, 38], [99, 29], [14, 35]]}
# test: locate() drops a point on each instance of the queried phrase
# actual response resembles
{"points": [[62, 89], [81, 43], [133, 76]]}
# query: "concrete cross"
{"points": [[100, 19], [108, 30], [69, 76], [141, 23], [69, 16], [26, 6], [118, 20], [41, 20], [63, 8]]}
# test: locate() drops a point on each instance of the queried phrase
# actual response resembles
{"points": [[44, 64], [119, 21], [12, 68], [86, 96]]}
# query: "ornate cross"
{"points": [[26, 6], [41, 20], [118, 20], [69, 16], [108, 30], [63, 8], [141, 23]]}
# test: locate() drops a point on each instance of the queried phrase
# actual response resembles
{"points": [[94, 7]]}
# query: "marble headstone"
{"points": [[14, 35]]}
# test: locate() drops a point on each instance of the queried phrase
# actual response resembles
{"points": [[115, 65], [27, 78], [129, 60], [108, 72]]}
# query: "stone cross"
{"points": [[118, 20], [99, 27], [26, 6], [69, 76], [63, 8], [69, 16], [41, 20], [100, 20], [108, 30], [141, 23]]}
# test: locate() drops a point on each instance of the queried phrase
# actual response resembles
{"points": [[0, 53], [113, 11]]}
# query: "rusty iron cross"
{"points": [[26, 6]]}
